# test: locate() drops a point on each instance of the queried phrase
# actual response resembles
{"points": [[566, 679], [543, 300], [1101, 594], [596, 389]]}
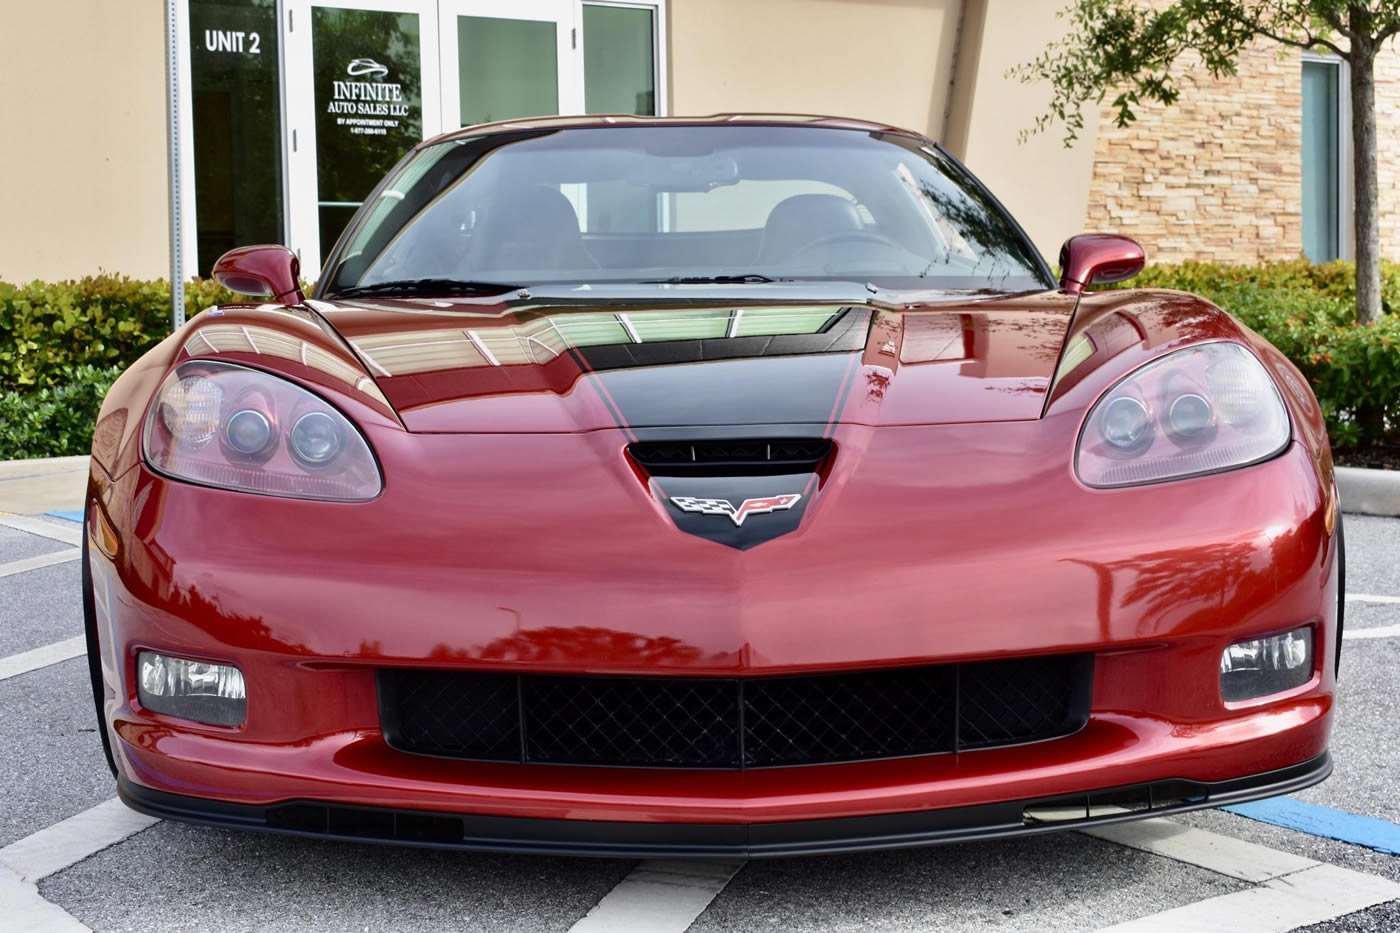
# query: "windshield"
{"points": [[685, 205]]}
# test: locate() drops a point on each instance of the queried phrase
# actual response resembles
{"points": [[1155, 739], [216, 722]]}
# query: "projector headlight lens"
{"points": [[199, 690], [275, 437], [1260, 667], [1204, 409]]}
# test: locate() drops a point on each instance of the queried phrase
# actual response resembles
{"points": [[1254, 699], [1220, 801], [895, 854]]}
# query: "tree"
{"points": [[1135, 44]]}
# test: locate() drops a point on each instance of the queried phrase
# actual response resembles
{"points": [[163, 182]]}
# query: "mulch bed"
{"points": [[1377, 457]]}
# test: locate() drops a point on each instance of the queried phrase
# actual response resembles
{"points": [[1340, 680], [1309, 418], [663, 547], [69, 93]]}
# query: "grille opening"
{"points": [[1161, 795], [734, 723], [753, 457], [365, 822]]}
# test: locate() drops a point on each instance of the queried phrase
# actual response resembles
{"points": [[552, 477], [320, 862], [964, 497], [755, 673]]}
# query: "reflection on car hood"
{"points": [[477, 365]]}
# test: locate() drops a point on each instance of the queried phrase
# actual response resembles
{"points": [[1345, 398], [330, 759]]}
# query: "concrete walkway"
{"points": [[28, 487]]}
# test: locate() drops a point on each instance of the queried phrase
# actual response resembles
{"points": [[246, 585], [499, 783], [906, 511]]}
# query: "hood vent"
{"points": [[764, 456]]}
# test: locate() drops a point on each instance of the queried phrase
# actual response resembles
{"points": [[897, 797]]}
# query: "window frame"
{"points": [[1346, 237], [184, 220], [659, 32]]}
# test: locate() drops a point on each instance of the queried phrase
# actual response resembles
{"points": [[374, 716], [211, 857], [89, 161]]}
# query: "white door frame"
{"points": [[299, 107], [565, 13]]}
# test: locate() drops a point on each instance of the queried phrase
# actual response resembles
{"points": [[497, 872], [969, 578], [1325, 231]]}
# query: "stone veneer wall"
{"points": [[1218, 176], [1388, 148]]}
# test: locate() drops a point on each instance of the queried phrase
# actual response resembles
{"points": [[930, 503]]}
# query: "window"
{"points": [[687, 202], [619, 58], [1322, 159], [237, 126]]}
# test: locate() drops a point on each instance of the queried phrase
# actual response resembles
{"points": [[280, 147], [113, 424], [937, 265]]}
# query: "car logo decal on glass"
{"points": [[366, 66], [746, 508]]}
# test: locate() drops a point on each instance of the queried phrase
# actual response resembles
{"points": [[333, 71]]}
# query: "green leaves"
{"points": [[1307, 312], [47, 329], [1141, 51], [54, 422]]}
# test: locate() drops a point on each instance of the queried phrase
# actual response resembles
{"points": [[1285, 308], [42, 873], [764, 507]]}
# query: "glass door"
{"points": [[504, 59], [362, 85]]}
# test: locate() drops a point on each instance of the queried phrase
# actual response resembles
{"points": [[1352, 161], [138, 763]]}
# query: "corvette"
{"points": [[739, 485]]}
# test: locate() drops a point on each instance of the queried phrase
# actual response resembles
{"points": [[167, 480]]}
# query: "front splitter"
{"points": [[326, 819]]}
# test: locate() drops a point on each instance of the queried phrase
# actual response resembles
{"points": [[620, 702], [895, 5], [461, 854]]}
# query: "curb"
{"points": [[1369, 492]]}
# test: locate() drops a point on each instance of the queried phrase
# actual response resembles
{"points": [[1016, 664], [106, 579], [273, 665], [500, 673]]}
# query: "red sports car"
{"points": [[736, 485]]}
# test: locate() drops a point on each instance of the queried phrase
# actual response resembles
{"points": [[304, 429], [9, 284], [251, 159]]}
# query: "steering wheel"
{"points": [[845, 236]]}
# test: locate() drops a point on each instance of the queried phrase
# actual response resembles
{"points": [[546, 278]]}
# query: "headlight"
{"points": [[1200, 410], [223, 425]]}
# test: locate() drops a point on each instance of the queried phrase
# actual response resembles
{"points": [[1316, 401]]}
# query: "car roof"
{"points": [[628, 119]]}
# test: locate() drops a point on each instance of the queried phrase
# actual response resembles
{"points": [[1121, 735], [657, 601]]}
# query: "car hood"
{"points": [[480, 366]]}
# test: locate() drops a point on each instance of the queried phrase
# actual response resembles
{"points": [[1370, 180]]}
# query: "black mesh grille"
{"points": [[712, 722], [735, 457]]}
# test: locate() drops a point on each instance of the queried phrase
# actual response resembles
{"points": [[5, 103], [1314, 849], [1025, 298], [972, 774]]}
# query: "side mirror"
{"points": [[1097, 259], [262, 271]]}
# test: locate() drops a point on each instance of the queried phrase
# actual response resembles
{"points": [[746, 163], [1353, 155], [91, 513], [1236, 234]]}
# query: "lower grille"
{"points": [[712, 722]]}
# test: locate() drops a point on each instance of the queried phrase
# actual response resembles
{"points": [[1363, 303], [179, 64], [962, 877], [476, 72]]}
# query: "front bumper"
{"points": [[322, 819], [404, 582]]}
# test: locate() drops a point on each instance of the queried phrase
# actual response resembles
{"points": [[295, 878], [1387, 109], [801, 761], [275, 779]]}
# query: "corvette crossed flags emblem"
{"points": [[746, 508]]}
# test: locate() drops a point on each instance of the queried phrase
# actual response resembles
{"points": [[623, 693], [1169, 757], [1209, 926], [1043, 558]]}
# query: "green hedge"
{"points": [[62, 344], [1308, 312], [48, 330], [54, 422]]}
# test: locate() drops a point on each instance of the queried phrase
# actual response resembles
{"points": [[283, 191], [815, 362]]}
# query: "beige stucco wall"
{"points": [[90, 179], [882, 60], [1042, 183], [895, 61], [83, 172]]}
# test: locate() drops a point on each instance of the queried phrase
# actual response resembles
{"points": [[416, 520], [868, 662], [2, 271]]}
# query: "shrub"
{"points": [[62, 344], [1308, 312], [47, 331], [54, 422]]}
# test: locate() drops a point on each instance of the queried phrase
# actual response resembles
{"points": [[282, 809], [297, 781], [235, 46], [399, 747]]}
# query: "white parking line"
{"points": [[67, 532], [40, 560], [35, 857], [27, 661], [70, 841], [1371, 598], [1313, 895], [1223, 855], [659, 897], [1380, 631], [26, 911]]}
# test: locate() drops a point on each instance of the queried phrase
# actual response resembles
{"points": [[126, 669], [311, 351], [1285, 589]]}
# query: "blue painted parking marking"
{"points": [[1381, 835], [73, 515]]}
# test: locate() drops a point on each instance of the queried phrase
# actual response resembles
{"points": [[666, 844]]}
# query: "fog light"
{"points": [[198, 690], [1263, 666]]}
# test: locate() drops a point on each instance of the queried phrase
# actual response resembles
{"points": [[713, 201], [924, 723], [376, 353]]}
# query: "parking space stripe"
{"points": [[41, 560], [1223, 855], [1372, 598], [659, 897], [1328, 822], [68, 533], [1313, 895], [1380, 631], [68, 842], [26, 911], [27, 661]]}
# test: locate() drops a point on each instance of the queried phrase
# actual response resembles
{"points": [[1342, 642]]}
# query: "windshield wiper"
{"points": [[428, 287], [750, 278]]}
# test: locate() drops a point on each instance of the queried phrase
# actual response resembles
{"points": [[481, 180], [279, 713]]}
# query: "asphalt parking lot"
{"points": [[72, 859]]}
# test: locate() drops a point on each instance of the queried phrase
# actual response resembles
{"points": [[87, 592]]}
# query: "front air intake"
{"points": [[767, 456], [734, 723]]}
